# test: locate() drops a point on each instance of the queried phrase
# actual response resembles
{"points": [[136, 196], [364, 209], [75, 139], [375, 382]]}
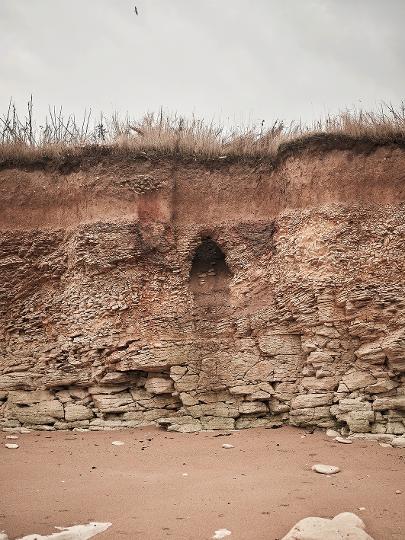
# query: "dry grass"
{"points": [[22, 140]]}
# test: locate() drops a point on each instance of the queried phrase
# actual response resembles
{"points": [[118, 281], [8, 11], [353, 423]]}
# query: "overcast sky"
{"points": [[238, 61]]}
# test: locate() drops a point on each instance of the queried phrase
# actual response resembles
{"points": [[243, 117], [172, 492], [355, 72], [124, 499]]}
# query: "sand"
{"points": [[186, 486]]}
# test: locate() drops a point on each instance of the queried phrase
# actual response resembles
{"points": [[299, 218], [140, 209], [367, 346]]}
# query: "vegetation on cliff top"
{"points": [[23, 141]]}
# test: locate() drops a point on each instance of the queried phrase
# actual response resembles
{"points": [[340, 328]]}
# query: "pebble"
{"points": [[332, 433], [11, 446], [25, 430], [118, 443], [221, 533], [385, 445], [325, 469], [185, 474], [227, 446], [398, 492], [11, 436], [343, 440]]}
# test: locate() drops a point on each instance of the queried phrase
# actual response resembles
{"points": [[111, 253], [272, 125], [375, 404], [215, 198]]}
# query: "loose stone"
{"points": [[227, 446], [117, 443], [343, 440], [325, 469], [11, 446], [221, 533]]}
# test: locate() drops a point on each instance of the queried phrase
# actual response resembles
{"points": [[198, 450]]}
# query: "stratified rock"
{"points": [[159, 385], [75, 412], [383, 404]]}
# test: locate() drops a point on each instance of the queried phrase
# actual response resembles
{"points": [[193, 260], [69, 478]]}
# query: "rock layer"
{"points": [[205, 296]]}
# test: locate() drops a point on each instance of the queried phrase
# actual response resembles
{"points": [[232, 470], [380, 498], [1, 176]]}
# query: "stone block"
{"points": [[111, 403], [311, 400], [326, 384], [45, 412], [310, 416], [318, 359], [394, 348], [274, 344], [214, 422], [385, 403], [29, 398], [159, 385], [253, 407], [382, 385], [357, 379], [74, 412], [371, 353]]}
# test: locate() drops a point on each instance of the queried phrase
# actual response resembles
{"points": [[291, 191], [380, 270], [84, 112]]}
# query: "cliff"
{"points": [[204, 295]]}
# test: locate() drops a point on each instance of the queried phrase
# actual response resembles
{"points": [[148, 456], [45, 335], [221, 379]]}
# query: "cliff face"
{"points": [[205, 296]]}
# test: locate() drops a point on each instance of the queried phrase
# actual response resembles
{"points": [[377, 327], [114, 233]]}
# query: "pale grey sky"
{"points": [[238, 61]]}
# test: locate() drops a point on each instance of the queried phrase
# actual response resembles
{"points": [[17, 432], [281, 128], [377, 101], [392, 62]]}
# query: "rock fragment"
{"points": [[343, 440], [325, 469], [344, 525], [11, 446], [221, 533], [227, 446]]}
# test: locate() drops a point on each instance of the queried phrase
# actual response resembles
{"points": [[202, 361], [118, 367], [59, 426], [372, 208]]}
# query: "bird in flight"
{"points": [[136, 10]]}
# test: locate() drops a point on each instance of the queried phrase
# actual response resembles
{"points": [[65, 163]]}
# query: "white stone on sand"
{"points": [[331, 433], [221, 533], [77, 532], [11, 446], [227, 446], [343, 440], [345, 525], [325, 469], [117, 443]]}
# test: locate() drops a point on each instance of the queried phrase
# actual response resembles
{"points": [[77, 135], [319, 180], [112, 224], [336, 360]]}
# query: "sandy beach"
{"points": [[186, 486]]}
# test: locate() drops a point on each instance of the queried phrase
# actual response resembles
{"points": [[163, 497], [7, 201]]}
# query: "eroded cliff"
{"points": [[205, 296]]}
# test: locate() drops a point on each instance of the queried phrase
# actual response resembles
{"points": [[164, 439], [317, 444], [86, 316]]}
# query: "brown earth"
{"points": [[258, 490]]}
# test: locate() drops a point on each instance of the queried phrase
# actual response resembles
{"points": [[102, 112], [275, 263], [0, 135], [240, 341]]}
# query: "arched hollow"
{"points": [[209, 257]]}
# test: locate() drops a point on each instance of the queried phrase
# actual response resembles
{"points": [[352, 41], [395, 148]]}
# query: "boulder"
{"points": [[345, 525]]}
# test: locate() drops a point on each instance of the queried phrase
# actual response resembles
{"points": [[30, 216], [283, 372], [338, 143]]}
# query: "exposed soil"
{"points": [[186, 486]]}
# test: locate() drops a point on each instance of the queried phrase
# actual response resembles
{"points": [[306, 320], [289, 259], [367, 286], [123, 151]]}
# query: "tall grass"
{"points": [[21, 136]]}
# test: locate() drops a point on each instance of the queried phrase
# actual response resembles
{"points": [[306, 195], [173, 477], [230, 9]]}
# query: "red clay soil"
{"points": [[186, 486]]}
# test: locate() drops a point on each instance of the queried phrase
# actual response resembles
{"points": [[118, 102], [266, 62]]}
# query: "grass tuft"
{"points": [[23, 140]]}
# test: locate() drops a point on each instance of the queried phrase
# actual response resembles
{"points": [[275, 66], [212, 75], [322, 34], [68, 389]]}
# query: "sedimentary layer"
{"points": [[205, 296]]}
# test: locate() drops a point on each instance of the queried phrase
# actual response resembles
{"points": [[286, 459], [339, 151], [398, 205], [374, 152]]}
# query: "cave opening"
{"points": [[209, 259]]}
